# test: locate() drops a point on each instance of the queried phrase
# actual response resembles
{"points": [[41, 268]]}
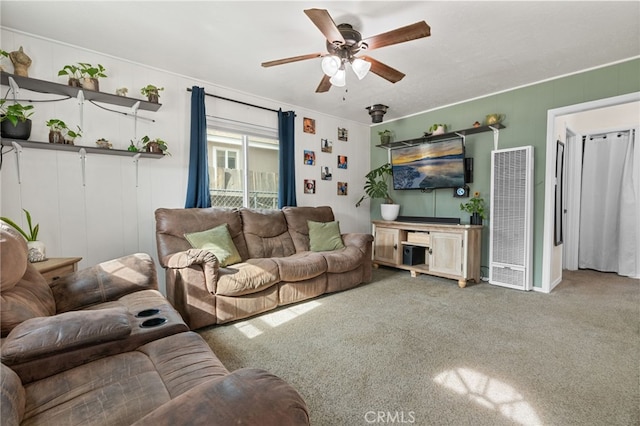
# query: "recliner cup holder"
{"points": [[147, 313], [153, 322]]}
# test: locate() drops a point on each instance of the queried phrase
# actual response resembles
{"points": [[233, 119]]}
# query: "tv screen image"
{"points": [[429, 165]]}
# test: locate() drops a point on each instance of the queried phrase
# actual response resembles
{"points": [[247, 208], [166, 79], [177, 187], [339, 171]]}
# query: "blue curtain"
{"points": [[198, 183], [287, 183]]}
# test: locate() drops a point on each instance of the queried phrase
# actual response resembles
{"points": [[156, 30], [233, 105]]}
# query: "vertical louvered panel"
{"points": [[511, 217]]}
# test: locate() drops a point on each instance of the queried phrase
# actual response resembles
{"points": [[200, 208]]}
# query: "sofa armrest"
{"points": [[206, 259], [360, 240], [46, 336], [247, 396], [104, 282]]}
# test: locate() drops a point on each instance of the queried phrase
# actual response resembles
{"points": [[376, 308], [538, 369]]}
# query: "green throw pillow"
{"points": [[218, 241], [324, 236]]}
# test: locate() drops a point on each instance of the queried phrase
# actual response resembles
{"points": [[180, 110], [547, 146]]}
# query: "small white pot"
{"points": [[37, 251], [389, 211], [439, 131]]}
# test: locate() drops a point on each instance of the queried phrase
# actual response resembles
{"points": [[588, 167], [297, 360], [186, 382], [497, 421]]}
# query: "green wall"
{"points": [[526, 124]]}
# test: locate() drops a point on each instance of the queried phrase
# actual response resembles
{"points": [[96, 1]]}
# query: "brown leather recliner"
{"points": [[175, 380], [80, 317]]}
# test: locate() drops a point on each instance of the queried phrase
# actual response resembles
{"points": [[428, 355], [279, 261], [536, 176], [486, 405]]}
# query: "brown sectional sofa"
{"points": [[102, 346], [276, 267]]}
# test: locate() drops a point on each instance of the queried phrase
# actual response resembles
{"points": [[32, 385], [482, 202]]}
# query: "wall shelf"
{"points": [[42, 86], [77, 148], [428, 139]]}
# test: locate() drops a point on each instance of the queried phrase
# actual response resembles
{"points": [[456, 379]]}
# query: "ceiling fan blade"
{"points": [[324, 85], [292, 59], [399, 35], [324, 22], [384, 71]]}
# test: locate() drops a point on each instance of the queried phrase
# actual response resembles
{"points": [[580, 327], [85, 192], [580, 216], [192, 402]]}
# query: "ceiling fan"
{"points": [[344, 43]]}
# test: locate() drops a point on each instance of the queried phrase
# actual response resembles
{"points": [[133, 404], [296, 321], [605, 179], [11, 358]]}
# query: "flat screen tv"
{"points": [[429, 165]]}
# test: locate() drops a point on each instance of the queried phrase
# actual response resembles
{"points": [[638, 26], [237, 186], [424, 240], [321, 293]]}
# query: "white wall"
{"points": [[109, 216]]}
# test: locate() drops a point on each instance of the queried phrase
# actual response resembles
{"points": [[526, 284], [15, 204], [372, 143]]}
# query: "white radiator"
{"points": [[511, 218]]}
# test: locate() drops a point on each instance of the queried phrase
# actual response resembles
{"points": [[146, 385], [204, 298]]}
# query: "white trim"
{"points": [[552, 114]]}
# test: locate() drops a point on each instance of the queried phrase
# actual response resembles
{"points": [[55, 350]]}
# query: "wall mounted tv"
{"points": [[429, 165]]}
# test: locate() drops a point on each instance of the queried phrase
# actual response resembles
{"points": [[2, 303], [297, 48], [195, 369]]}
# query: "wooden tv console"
{"points": [[450, 251]]}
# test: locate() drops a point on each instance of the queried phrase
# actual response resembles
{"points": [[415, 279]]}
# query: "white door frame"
{"points": [[549, 282], [571, 192]]}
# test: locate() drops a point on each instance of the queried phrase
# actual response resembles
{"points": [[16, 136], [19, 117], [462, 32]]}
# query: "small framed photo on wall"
{"points": [[325, 173], [309, 125], [326, 145], [309, 158], [342, 188], [343, 134], [309, 186], [342, 161]]}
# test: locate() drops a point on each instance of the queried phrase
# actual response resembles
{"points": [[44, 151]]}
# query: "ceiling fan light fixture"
{"points": [[331, 65], [339, 79], [360, 67]]}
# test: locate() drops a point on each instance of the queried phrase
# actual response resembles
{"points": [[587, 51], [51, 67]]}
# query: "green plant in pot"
{"points": [[385, 136], [156, 145], [57, 129], [90, 74], [152, 92], [15, 121], [3, 54], [476, 207], [72, 135], [437, 129], [377, 186], [37, 249], [73, 72]]}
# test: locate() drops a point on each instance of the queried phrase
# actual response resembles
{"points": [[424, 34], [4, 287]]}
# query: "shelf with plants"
{"points": [[42, 86], [435, 138], [76, 148]]}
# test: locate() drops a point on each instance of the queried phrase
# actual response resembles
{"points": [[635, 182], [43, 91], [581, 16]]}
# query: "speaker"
{"points": [[413, 255], [468, 170]]}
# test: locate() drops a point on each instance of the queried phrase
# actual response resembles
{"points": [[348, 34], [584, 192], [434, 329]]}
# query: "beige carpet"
{"points": [[423, 351]]}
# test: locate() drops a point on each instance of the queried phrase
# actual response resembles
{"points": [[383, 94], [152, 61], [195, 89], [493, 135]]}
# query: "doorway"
{"points": [[558, 120]]}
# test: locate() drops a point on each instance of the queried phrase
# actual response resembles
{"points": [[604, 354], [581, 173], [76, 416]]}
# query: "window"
{"points": [[243, 167]]}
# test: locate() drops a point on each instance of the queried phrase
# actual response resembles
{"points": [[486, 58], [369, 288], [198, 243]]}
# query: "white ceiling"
{"points": [[476, 48]]}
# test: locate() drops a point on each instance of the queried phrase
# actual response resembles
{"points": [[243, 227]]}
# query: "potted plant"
{"points": [[438, 129], [3, 54], [57, 128], [476, 207], [37, 249], [72, 135], [156, 145], [377, 186], [151, 92], [15, 121], [73, 72], [385, 136], [90, 74]]}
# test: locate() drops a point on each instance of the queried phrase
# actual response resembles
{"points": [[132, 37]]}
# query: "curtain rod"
{"points": [[233, 100]]}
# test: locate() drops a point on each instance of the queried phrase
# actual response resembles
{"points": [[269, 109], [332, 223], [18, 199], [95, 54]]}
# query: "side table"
{"points": [[53, 268]]}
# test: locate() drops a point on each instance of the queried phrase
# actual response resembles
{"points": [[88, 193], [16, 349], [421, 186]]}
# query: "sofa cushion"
{"points": [[172, 224], [24, 293], [44, 336], [120, 389], [247, 277], [266, 233], [297, 218], [218, 241], [324, 236], [343, 260], [300, 266]]}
